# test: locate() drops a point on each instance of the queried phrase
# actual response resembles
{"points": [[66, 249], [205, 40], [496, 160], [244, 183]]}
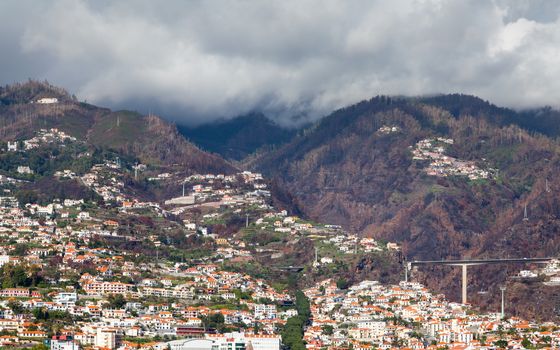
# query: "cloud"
{"points": [[200, 60]]}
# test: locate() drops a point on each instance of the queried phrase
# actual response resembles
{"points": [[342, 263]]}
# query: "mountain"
{"points": [[543, 120], [445, 177], [79, 135], [238, 137], [357, 168], [148, 139]]}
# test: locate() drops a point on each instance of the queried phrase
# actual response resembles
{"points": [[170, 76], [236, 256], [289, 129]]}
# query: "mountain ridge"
{"points": [[239, 137], [144, 137]]}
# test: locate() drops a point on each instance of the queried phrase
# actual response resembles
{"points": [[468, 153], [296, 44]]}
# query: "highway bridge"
{"points": [[291, 268], [464, 263]]}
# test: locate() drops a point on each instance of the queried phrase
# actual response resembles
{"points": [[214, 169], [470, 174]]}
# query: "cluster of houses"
{"points": [[106, 182], [433, 150], [326, 236], [351, 244], [389, 129], [65, 174], [44, 136], [163, 300], [370, 315], [175, 303], [172, 302], [219, 190], [549, 274], [106, 179], [41, 224], [118, 300]]}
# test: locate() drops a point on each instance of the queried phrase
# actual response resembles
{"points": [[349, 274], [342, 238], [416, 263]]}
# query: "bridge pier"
{"points": [[464, 284], [406, 274]]}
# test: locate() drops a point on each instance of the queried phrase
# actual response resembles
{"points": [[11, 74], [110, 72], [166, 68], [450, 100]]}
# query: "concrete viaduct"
{"points": [[465, 263]]}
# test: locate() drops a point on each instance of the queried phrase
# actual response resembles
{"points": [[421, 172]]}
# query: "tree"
{"points": [[302, 305], [26, 196], [40, 346], [292, 334], [15, 306], [239, 294], [116, 301], [342, 283], [20, 249], [14, 276], [215, 320], [501, 343]]}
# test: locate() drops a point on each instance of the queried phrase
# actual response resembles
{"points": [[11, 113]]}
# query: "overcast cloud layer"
{"points": [[199, 60]]}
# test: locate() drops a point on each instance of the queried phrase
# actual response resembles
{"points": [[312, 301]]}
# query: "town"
{"points": [[433, 150], [115, 270]]}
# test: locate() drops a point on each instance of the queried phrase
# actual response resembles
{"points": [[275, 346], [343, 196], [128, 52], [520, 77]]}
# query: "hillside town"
{"points": [[58, 285], [189, 270], [433, 150], [43, 137], [370, 315]]}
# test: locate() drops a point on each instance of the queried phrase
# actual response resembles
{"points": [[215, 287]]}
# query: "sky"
{"points": [[196, 61]]}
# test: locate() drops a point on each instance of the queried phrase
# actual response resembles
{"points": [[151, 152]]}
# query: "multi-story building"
{"points": [[102, 288], [64, 342], [106, 338], [66, 299]]}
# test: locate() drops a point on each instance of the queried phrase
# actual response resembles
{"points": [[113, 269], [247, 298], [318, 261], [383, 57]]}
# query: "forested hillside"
{"points": [[239, 137], [146, 138]]}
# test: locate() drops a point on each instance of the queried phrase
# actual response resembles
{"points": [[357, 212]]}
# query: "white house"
{"points": [[24, 170], [47, 100]]}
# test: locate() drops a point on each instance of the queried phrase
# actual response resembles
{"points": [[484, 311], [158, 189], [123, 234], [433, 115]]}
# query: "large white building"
{"points": [[102, 288], [228, 341], [191, 344], [66, 299], [242, 341], [106, 338], [265, 311]]}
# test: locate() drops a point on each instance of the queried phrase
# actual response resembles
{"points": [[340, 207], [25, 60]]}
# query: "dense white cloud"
{"points": [[199, 60]]}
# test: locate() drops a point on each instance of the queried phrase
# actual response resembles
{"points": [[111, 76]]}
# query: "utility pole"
{"points": [[246, 220], [503, 289], [183, 189], [525, 217], [157, 244], [405, 272], [316, 256], [136, 171]]}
